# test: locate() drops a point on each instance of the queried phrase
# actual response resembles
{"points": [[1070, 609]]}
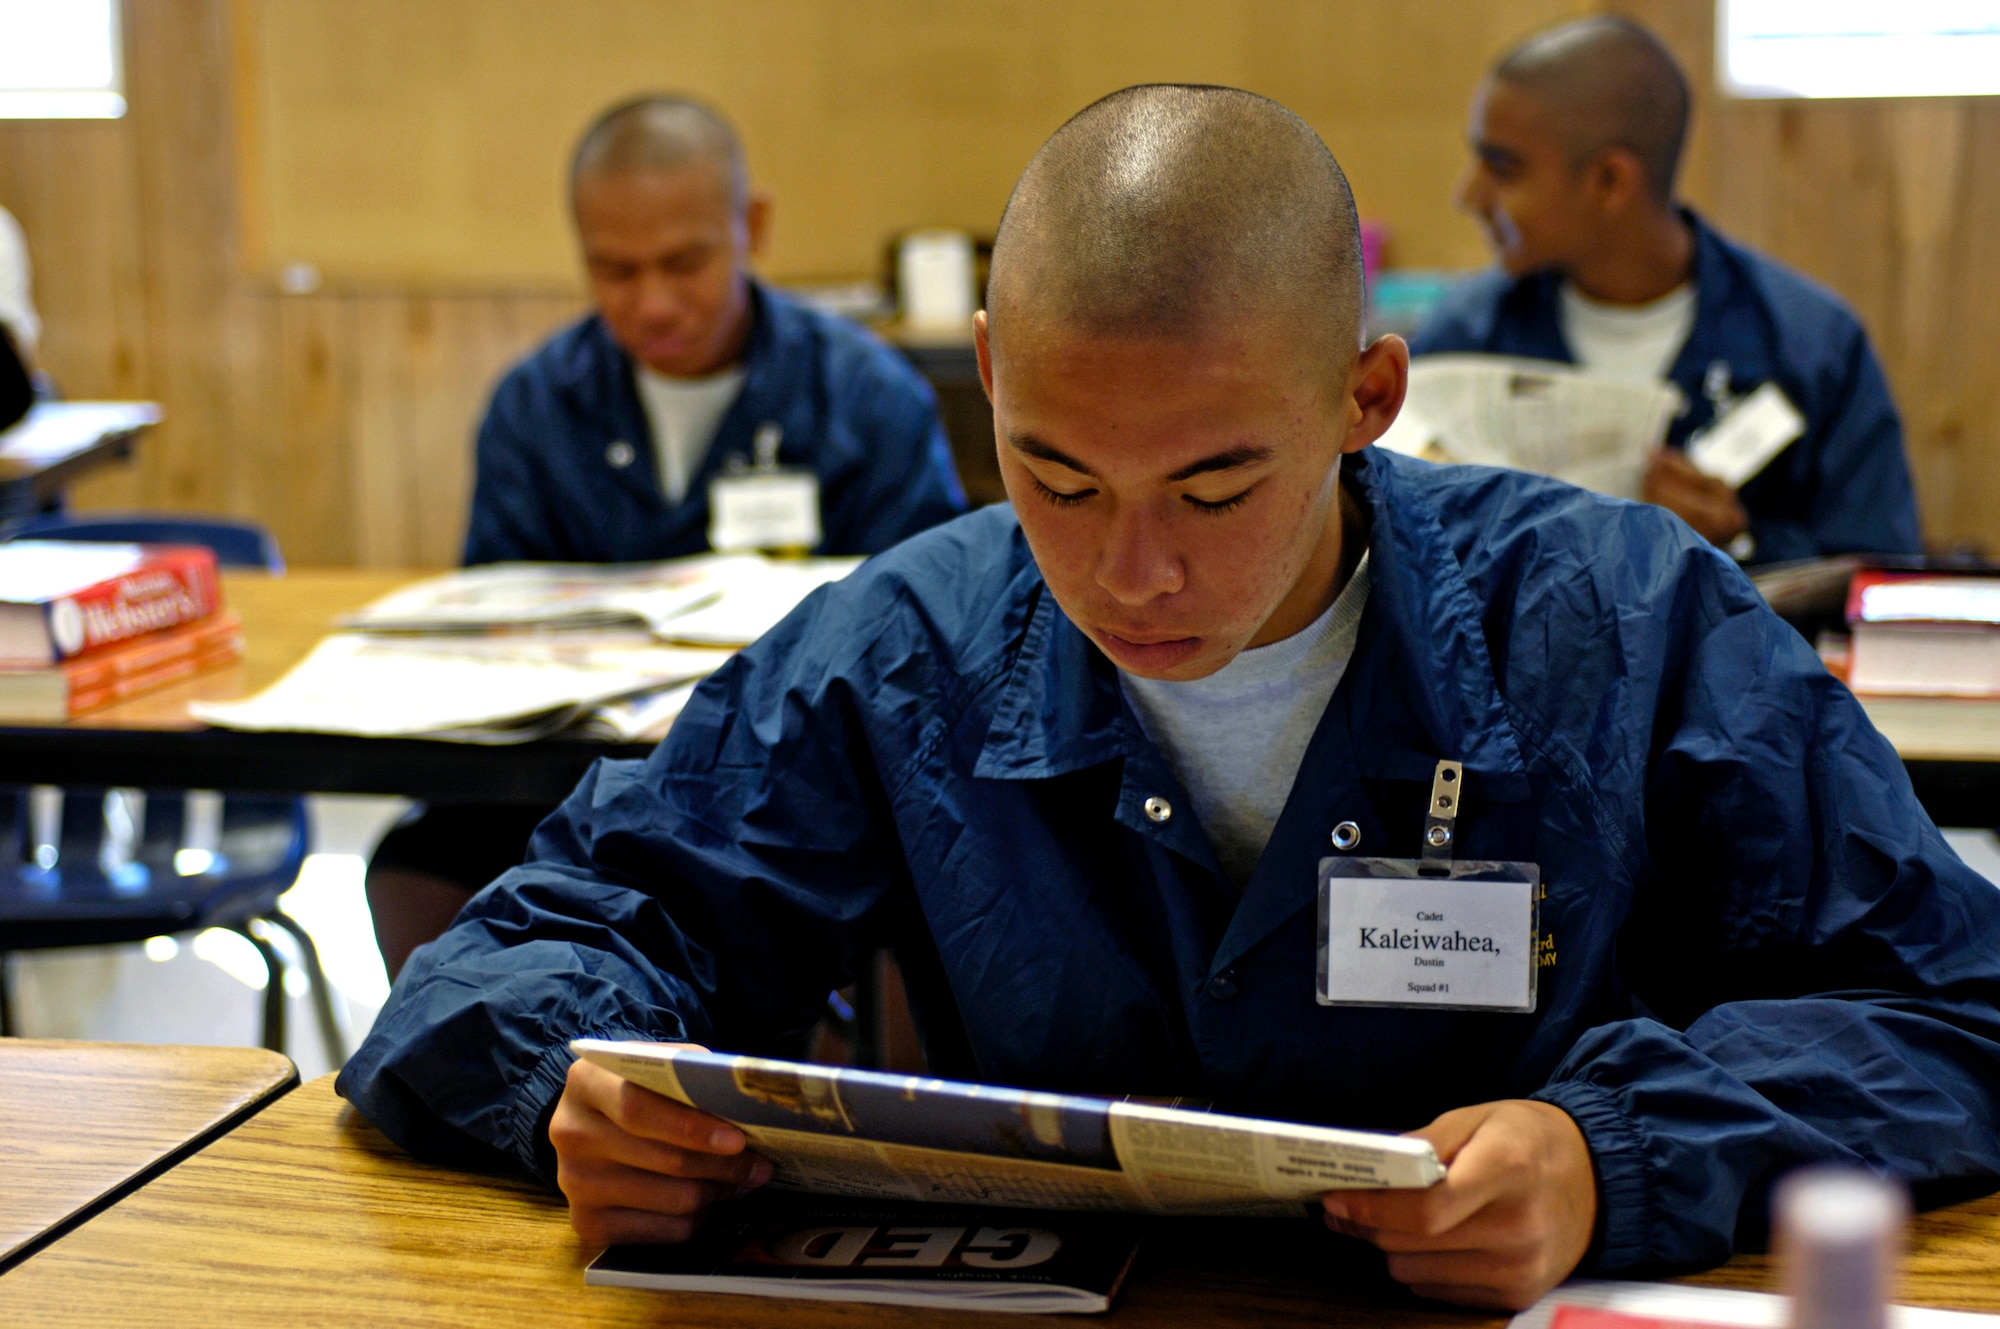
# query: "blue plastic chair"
{"points": [[237, 544], [98, 867]]}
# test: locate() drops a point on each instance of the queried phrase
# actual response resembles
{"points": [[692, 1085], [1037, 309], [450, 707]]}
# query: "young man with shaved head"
{"points": [[1576, 138], [1080, 763], [601, 446]]}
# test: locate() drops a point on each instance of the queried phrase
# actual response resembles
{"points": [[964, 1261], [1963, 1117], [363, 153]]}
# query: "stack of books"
{"points": [[85, 625], [1925, 660]]}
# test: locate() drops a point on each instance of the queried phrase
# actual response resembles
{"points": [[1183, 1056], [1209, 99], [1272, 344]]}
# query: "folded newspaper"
{"points": [[837, 1131], [1592, 430], [708, 600]]}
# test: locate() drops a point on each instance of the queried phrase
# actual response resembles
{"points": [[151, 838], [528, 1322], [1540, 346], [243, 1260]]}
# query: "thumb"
{"points": [[1449, 1132]]}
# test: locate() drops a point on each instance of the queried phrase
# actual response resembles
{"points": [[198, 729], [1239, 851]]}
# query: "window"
{"points": [[1859, 48], [59, 60]]}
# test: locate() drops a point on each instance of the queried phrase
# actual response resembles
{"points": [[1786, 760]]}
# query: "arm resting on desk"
{"points": [[1814, 972]]}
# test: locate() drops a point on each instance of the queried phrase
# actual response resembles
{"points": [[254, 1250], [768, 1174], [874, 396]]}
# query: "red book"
{"points": [[63, 599], [56, 692], [1924, 634]]}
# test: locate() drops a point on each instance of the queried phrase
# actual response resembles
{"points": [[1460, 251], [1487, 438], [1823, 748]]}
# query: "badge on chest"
{"points": [[1429, 931], [764, 505]]}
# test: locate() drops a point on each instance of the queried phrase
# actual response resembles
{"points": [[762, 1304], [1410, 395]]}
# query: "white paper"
{"points": [[1554, 419], [1745, 441], [450, 687], [1717, 1306], [754, 600], [53, 430], [555, 595]]}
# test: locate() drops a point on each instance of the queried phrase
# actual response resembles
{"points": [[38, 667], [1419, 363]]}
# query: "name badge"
{"points": [[1748, 437], [1429, 931], [765, 506]]}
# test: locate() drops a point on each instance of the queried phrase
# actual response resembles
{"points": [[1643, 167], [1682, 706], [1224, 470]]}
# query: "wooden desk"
{"points": [[305, 1213], [82, 1124], [152, 741]]}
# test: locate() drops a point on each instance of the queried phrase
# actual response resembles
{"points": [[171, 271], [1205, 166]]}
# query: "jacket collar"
{"points": [[1061, 708]]}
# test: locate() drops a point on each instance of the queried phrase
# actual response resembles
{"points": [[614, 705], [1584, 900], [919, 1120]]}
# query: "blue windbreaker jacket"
{"points": [[1763, 951], [566, 470], [1842, 488]]}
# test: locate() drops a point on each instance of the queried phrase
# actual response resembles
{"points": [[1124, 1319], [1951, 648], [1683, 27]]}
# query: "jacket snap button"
{"points": [[1223, 986], [1158, 809], [1346, 835], [620, 455]]}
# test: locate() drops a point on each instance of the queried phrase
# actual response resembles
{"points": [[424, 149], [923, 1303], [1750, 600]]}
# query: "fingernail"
{"points": [[760, 1172], [1336, 1209], [725, 1139]]}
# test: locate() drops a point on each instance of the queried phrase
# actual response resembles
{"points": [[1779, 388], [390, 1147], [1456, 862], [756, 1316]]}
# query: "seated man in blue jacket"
{"points": [[1080, 762], [603, 446], [1576, 138]]}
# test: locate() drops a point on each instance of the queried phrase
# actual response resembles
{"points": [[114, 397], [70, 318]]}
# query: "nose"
{"points": [[1137, 563], [1471, 194], [659, 297]]}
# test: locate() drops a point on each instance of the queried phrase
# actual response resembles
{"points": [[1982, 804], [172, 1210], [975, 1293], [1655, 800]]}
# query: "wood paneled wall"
{"points": [[343, 418]]}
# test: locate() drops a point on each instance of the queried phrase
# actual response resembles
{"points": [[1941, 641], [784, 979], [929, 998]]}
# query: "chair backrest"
{"points": [[237, 544]]}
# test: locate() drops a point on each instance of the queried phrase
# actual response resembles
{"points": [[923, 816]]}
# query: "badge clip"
{"points": [[1441, 825]]}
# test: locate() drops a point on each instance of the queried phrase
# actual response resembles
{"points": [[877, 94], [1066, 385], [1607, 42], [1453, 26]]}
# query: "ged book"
{"points": [[934, 1256], [63, 599], [838, 1131]]}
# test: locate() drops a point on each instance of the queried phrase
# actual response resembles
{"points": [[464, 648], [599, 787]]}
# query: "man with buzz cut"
{"points": [[604, 445], [1576, 139], [1090, 765]]}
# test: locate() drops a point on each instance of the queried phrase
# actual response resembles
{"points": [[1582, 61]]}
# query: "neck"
{"points": [[1641, 262], [1326, 575]]}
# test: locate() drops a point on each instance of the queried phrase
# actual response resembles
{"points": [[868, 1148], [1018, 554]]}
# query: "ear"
{"points": [[757, 223], [1616, 178], [982, 346], [1375, 391]]}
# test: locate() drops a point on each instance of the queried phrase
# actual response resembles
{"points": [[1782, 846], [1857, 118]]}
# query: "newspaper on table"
{"points": [[466, 689], [519, 651], [1592, 430], [838, 1131], [709, 599]]}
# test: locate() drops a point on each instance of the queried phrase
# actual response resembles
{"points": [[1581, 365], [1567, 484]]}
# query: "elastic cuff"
{"points": [[1625, 1192], [535, 1101]]}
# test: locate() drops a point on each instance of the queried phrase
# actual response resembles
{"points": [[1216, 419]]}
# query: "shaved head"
{"points": [[664, 134], [1607, 81], [1174, 211]]}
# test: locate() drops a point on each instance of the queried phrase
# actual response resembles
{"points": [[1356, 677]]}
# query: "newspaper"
{"points": [[1534, 415], [837, 1131], [506, 689], [710, 599]]}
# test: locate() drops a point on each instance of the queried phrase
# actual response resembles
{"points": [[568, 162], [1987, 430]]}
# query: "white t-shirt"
{"points": [[1236, 738], [17, 303], [1628, 341], [684, 414]]}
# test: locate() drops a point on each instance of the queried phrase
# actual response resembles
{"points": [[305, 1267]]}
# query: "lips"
{"points": [[1148, 653]]}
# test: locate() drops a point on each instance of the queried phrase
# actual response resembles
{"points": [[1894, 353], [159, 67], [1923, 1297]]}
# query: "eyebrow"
{"points": [[1230, 459]]}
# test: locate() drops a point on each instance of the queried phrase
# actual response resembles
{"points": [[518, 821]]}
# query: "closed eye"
{"points": [[1219, 505], [1056, 497]]}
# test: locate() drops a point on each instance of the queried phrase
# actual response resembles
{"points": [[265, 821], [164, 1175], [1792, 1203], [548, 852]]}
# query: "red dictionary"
{"points": [[56, 692], [63, 599]]}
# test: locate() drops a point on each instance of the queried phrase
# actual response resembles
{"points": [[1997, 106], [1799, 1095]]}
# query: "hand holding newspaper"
{"points": [[838, 1131]]}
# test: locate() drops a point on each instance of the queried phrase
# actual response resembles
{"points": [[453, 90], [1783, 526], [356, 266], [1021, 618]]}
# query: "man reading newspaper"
{"points": [[1101, 767]]}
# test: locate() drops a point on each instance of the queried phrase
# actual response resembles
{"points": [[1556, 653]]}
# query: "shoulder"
{"points": [[1807, 316], [854, 363], [569, 361], [1467, 317], [1607, 568]]}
